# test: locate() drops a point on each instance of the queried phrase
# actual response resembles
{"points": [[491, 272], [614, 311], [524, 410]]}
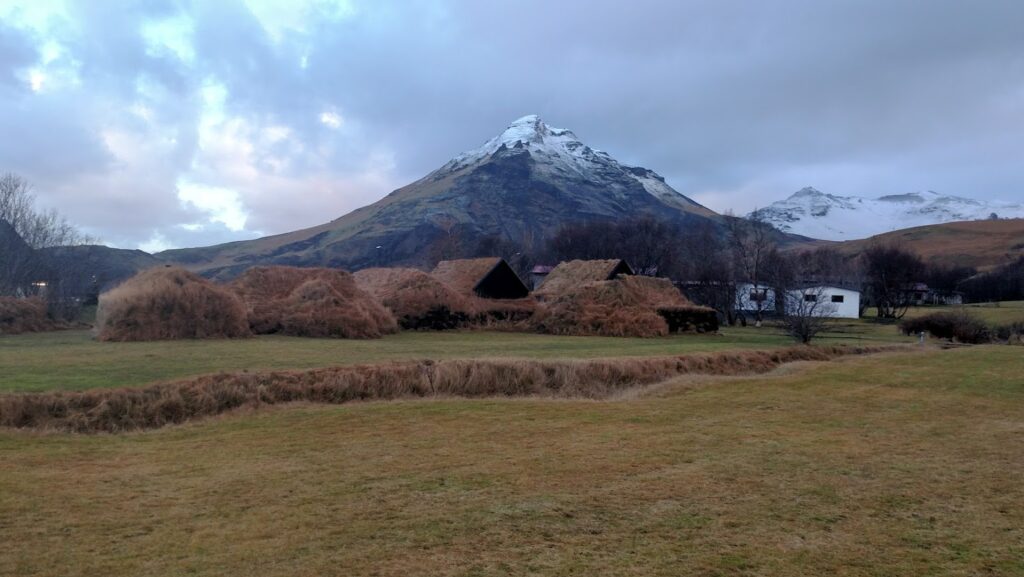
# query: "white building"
{"points": [[748, 295], [818, 300], [826, 301]]}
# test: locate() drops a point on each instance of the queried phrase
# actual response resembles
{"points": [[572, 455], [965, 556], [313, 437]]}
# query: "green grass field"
{"points": [[992, 313], [72, 360], [899, 464]]}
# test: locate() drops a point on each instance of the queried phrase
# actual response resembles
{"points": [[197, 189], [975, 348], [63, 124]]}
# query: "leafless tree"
{"points": [[706, 267], [448, 245], [38, 228], [806, 312], [25, 232], [889, 273], [752, 243], [649, 245]]}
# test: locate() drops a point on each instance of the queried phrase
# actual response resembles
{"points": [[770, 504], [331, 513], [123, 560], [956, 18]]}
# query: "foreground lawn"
{"points": [[72, 360], [903, 464]]}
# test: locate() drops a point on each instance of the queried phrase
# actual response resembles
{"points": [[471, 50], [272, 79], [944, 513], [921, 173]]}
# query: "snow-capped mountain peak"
{"points": [[530, 132], [558, 152], [813, 213], [807, 191]]}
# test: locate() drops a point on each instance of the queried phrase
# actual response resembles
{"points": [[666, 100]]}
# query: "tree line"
{"points": [[26, 234]]}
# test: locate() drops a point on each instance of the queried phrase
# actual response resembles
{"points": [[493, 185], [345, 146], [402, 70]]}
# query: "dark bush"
{"points": [[955, 326], [1012, 333], [690, 319]]}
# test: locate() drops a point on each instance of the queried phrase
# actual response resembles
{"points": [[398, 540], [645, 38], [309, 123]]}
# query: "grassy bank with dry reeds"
{"points": [[113, 410], [902, 464]]}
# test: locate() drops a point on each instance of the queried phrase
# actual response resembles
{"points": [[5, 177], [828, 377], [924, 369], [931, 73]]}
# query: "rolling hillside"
{"points": [[980, 243]]}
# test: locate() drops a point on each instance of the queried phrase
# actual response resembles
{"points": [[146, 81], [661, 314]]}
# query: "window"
{"points": [[838, 298], [810, 298]]}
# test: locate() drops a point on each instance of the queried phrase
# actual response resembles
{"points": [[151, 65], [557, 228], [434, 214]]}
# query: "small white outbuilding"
{"points": [[825, 300], [818, 300]]}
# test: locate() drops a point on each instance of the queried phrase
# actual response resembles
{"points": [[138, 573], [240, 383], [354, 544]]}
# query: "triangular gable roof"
{"points": [[575, 272], [489, 277]]}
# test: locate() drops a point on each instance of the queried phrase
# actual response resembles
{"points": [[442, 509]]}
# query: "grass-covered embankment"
{"points": [[878, 465]]}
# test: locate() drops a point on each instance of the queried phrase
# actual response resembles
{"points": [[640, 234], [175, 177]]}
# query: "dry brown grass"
{"points": [[503, 314], [464, 274], [570, 274], [310, 302], [114, 410], [625, 307], [418, 300], [489, 277], [982, 243], [169, 303], [29, 315]]}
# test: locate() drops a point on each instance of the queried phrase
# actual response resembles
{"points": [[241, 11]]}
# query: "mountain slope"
{"points": [[521, 186], [90, 268], [982, 244], [812, 213]]}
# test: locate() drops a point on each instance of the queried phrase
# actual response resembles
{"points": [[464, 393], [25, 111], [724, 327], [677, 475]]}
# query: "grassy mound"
{"points": [[25, 316], [169, 303], [418, 300], [625, 307], [310, 302]]}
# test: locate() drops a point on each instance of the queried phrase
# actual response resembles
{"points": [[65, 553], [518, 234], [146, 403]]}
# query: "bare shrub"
{"points": [[310, 302], [25, 315], [418, 300], [1012, 333], [115, 410], [169, 303], [624, 307]]}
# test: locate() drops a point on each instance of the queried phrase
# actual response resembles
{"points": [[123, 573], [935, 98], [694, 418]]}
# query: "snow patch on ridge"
{"points": [[812, 213]]}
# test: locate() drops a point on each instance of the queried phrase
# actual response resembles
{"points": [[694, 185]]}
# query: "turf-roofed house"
{"points": [[488, 278], [573, 273]]}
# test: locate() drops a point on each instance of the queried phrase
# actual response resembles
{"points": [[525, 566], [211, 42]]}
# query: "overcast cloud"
{"points": [[178, 123]]}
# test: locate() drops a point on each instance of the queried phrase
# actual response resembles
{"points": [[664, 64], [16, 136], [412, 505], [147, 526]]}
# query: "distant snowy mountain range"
{"points": [[810, 212]]}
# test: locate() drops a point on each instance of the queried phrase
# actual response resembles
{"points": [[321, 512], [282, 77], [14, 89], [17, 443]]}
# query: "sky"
{"points": [[172, 123]]}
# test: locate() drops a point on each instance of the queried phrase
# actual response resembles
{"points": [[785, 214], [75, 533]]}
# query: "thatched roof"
{"points": [[409, 292], [384, 282], [489, 277], [315, 302], [573, 273], [626, 306]]}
